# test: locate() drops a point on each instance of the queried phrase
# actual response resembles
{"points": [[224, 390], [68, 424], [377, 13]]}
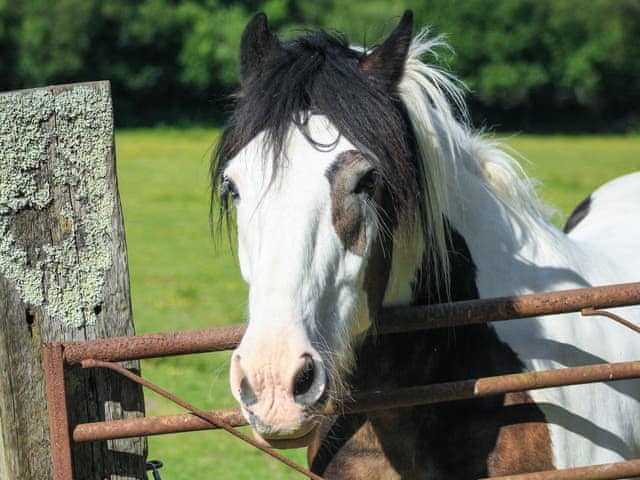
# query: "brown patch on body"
{"points": [[347, 206], [376, 274], [485, 437], [524, 443], [578, 214], [358, 458]]}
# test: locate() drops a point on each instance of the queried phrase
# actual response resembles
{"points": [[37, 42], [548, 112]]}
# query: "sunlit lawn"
{"points": [[572, 167], [181, 278]]}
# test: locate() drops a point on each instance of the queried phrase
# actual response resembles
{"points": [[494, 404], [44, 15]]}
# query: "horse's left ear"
{"points": [[386, 63], [257, 43]]}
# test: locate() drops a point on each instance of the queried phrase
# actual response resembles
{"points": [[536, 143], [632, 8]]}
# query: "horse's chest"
{"points": [[463, 440]]}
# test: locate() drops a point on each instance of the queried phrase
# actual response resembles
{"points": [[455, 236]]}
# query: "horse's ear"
{"points": [[386, 63], [256, 45]]}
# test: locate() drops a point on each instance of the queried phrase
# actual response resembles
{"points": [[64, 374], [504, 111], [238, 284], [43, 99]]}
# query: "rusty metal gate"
{"points": [[100, 353]]}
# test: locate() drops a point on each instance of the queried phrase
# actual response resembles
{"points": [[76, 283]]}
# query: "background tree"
{"points": [[535, 61]]}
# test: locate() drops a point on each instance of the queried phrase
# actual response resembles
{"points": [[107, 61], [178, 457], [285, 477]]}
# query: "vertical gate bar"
{"points": [[59, 430]]}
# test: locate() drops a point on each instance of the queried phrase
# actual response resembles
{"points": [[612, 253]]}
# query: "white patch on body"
{"points": [[517, 251]]}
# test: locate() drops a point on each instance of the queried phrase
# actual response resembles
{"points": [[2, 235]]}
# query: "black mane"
{"points": [[320, 73]]}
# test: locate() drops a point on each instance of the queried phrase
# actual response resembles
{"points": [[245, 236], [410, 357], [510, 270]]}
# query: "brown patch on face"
{"points": [[347, 206], [347, 211]]}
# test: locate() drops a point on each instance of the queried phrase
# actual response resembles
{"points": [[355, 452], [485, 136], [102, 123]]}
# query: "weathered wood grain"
{"points": [[63, 275]]}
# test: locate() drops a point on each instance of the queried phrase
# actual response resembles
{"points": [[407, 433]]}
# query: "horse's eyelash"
{"points": [[228, 187], [223, 189]]}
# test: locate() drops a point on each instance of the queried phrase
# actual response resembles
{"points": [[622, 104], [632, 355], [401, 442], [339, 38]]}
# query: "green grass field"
{"points": [[181, 278]]}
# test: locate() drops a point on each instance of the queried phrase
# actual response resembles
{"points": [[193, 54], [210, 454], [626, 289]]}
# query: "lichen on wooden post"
{"points": [[63, 275]]}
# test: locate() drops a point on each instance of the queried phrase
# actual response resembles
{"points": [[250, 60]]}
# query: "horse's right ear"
{"points": [[385, 64], [256, 45]]}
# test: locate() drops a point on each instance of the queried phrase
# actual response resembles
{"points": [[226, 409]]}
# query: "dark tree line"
{"points": [[557, 61]]}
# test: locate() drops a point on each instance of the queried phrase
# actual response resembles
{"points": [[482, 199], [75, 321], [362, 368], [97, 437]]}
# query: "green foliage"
{"points": [[211, 42], [8, 35], [169, 58], [561, 52], [53, 41], [499, 51], [596, 54]]}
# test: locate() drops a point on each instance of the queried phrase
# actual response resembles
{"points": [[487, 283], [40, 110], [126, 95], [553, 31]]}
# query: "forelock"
{"points": [[319, 73]]}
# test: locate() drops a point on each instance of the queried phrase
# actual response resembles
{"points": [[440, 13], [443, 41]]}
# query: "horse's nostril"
{"points": [[247, 395], [304, 378]]}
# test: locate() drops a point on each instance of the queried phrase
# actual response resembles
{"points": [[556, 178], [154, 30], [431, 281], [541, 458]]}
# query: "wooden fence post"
{"points": [[63, 276]]}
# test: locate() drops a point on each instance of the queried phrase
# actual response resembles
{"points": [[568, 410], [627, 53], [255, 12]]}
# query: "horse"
{"points": [[356, 182]]}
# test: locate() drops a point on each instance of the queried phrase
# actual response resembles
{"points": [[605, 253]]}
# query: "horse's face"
{"points": [[313, 214], [303, 243]]}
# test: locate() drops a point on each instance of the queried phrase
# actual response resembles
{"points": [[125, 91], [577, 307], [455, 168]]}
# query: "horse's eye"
{"points": [[367, 183], [230, 188]]}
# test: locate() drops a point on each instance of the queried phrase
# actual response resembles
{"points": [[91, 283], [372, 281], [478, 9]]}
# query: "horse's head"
{"points": [[317, 159]]}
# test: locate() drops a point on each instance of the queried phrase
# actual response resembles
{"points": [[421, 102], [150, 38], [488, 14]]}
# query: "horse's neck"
{"points": [[434, 355], [511, 253]]}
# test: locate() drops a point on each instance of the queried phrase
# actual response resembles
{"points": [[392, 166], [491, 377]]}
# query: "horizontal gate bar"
{"points": [[421, 317], [146, 426], [487, 386], [116, 349], [377, 400], [392, 320], [606, 471]]}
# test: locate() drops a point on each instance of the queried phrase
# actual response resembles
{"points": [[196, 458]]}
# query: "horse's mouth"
{"points": [[283, 443], [278, 438]]}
